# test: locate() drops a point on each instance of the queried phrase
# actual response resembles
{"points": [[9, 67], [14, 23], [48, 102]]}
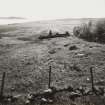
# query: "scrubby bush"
{"points": [[100, 30], [82, 31], [91, 31]]}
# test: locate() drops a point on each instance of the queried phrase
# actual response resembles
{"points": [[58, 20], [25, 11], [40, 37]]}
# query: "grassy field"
{"points": [[26, 60]]}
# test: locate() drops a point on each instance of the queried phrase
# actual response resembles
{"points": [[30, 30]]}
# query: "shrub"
{"points": [[91, 31], [100, 30], [82, 31]]}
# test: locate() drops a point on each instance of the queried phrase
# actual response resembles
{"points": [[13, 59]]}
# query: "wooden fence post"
{"points": [[49, 82], [92, 78], [2, 85]]}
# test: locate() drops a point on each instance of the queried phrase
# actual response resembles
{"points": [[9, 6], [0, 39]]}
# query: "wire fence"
{"points": [[75, 96]]}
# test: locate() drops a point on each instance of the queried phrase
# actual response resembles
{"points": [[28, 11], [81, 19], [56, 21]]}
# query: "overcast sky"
{"points": [[52, 9]]}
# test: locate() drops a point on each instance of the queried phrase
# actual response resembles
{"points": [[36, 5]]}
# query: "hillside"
{"points": [[26, 60]]}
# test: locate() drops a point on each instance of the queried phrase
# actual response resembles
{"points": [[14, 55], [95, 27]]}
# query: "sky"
{"points": [[52, 9]]}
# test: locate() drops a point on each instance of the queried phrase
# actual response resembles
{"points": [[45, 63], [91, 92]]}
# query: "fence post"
{"points": [[92, 78], [2, 84], [49, 82]]}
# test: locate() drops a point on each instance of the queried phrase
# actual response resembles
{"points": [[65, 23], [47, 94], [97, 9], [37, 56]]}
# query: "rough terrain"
{"points": [[26, 60]]}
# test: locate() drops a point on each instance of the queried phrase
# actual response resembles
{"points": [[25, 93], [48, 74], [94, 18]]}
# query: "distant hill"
{"points": [[12, 18]]}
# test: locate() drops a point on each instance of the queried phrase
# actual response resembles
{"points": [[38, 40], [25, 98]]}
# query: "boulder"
{"points": [[73, 47]]}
